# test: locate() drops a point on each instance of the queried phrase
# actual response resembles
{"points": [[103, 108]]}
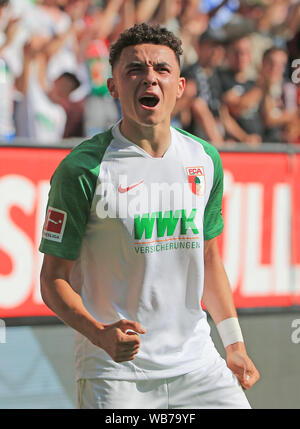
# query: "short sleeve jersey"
{"points": [[135, 226]]}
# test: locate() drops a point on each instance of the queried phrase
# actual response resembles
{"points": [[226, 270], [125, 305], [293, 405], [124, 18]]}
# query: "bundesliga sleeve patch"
{"points": [[54, 224]]}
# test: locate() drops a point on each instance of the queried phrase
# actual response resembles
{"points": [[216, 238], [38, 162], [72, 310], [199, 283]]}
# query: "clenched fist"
{"points": [[120, 340]]}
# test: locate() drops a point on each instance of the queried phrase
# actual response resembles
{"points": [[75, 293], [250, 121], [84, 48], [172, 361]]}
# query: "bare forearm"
{"points": [[107, 18], [274, 118], [250, 98], [232, 126], [205, 118], [67, 304], [145, 10], [217, 295], [239, 104], [21, 81]]}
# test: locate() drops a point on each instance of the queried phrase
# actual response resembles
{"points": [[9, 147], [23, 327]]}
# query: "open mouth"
{"points": [[149, 100]]}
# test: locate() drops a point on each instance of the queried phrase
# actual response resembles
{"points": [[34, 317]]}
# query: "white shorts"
{"points": [[218, 388]]}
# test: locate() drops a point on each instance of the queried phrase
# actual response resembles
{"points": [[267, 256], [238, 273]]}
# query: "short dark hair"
{"points": [[145, 33], [273, 49], [3, 2], [72, 78]]}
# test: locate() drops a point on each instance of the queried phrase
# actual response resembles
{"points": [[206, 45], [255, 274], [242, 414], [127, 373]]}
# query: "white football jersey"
{"points": [[135, 226]]}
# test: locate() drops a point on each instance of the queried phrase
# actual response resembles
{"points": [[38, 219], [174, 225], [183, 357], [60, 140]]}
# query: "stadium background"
{"points": [[260, 246]]}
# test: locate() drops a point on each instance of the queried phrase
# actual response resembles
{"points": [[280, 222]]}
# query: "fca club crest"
{"points": [[196, 179]]}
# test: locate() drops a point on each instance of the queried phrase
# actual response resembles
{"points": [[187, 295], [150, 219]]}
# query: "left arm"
{"points": [[218, 300]]}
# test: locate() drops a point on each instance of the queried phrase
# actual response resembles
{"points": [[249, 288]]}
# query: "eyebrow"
{"points": [[142, 64]]}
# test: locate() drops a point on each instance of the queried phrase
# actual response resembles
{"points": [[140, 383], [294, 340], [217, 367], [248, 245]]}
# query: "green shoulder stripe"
{"points": [[72, 191], [213, 220]]}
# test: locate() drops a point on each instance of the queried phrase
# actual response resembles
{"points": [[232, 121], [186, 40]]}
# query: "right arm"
{"points": [[205, 118], [67, 304], [239, 104], [273, 117], [39, 58], [10, 33], [145, 10], [234, 130]]}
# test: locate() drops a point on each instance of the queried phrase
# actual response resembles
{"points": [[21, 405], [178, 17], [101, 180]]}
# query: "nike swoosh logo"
{"points": [[123, 190]]}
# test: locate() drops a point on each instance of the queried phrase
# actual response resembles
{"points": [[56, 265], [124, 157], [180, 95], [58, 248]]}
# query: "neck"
{"points": [[240, 76], [208, 69], [154, 140]]}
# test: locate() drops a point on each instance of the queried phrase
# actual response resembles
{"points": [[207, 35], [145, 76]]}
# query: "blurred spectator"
{"points": [[61, 93], [145, 10], [184, 19], [7, 126], [294, 135], [283, 16], [49, 49], [220, 11], [12, 37], [205, 108], [193, 24], [101, 110], [235, 83], [293, 45], [227, 97], [210, 118], [49, 21], [294, 75], [280, 105], [13, 20], [254, 16], [167, 14], [77, 11], [270, 23], [37, 116], [7, 33]]}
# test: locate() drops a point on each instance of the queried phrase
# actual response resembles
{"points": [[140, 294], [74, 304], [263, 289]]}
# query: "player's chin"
{"points": [[150, 121], [152, 118]]}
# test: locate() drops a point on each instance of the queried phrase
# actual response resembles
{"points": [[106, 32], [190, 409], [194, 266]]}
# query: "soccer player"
{"points": [[130, 243]]}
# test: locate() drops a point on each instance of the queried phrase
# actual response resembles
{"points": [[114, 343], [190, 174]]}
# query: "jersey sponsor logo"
{"points": [[54, 224], [127, 188], [196, 178], [166, 223]]}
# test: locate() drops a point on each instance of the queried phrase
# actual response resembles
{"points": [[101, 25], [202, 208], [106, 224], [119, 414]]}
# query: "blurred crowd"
{"points": [[241, 62]]}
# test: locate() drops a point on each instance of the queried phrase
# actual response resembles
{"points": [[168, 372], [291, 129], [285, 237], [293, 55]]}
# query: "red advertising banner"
{"points": [[295, 226], [24, 187], [260, 244], [257, 241]]}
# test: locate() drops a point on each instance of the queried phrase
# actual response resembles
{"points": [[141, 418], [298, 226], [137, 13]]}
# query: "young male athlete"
{"points": [[131, 252]]}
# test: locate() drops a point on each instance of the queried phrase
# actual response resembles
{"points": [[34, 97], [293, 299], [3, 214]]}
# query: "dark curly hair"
{"points": [[145, 33]]}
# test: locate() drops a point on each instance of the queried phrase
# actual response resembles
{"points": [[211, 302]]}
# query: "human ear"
{"points": [[181, 86], [112, 88]]}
